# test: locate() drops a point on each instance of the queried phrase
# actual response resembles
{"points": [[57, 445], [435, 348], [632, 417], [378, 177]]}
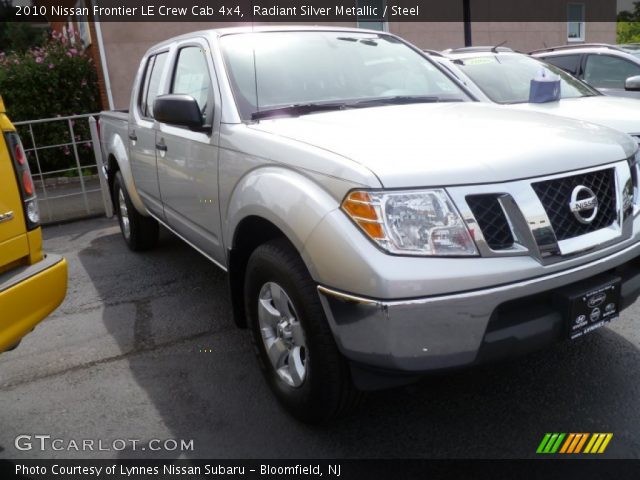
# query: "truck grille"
{"points": [[491, 220], [555, 196]]}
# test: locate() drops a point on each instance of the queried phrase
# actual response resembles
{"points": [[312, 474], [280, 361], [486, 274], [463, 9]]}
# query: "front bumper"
{"points": [[445, 331], [28, 295]]}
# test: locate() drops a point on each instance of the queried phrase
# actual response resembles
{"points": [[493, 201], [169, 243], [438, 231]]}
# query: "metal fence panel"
{"points": [[66, 165]]}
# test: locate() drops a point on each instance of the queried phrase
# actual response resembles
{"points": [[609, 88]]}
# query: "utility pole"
{"points": [[466, 16]]}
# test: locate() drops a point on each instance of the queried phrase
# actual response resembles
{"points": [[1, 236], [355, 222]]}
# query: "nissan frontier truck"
{"points": [[376, 224]]}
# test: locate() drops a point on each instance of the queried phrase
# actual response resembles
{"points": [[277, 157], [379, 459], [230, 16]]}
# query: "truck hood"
{"points": [[446, 144], [614, 112]]}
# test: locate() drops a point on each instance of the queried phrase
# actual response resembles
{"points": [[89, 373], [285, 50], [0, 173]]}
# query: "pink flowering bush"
{"points": [[25, 80], [56, 79]]}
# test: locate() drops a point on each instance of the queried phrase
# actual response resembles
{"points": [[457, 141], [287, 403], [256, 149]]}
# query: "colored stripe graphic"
{"points": [[556, 445], [544, 441], [581, 443], [604, 445], [567, 443], [576, 438], [550, 443], [594, 443], [598, 442], [573, 443]]}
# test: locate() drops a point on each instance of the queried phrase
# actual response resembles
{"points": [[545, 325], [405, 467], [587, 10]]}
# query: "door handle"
{"points": [[133, 137], [161, 146]]}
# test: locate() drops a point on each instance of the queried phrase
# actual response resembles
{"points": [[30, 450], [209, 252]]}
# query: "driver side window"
{"points": [[192, 77]]}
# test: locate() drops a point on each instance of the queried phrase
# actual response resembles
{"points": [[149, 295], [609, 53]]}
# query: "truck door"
{"points": [[142, 133], [188, 160]]}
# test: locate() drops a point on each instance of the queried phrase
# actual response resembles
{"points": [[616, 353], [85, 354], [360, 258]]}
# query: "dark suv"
{"points": [[612, 69]]}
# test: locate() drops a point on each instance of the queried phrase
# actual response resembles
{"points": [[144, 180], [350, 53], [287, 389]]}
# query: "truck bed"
{"points": [[115, 114]]}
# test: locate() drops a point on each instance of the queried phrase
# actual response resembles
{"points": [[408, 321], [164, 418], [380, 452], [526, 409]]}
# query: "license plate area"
{"points": [[589, 305]]}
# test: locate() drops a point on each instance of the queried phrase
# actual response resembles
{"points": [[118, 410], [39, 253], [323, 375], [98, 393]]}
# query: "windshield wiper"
{"points": [[297, 110], [401, 100]]}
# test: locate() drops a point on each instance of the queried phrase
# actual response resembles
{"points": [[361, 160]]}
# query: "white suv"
{"points": [[502, 76], [612, 69]]}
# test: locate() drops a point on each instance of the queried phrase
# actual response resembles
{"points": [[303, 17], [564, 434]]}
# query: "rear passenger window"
{"points": [[151, 84], [568, 63], [605, 71], [192, 76]]}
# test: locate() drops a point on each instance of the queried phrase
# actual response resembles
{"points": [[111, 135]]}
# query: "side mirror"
{"points": [[178, 109], [632, 84]]}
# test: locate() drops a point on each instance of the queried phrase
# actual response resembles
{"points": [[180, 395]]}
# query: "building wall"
{"points": [[503, 10], [527, 36], [430, 35], [521, 36]]}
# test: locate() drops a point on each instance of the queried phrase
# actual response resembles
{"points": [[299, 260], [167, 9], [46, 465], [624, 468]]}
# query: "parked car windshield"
{"points": [[507, 78], [268, 70]]}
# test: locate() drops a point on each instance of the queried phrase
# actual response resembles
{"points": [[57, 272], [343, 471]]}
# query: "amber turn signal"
{"points": [[365, 213]]}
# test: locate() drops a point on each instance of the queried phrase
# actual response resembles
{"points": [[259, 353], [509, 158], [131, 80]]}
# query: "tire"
{"points": [[308, 375], [140, 232]]}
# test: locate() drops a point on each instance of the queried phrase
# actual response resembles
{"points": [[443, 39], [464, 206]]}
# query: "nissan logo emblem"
{"points": [[583, 200]]}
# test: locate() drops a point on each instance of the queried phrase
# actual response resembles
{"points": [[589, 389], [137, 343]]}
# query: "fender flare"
{"points": [[291, 201], [117, 149]]}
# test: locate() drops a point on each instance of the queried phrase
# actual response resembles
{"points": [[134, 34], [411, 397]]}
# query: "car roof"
{"points": [[630, 46], [478, 49], [459, 54], [578, 46], [435, 53], [624, 50], [219, 32]]}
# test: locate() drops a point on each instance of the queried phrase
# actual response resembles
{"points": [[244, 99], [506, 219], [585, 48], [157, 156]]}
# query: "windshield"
{"points": [[270, 70], [507, 78]]}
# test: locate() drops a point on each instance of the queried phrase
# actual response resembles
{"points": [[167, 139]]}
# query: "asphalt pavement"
{"points": [[144, 348]]}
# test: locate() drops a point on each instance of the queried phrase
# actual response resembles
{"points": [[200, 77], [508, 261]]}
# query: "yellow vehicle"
{"points": [[32, 284]]}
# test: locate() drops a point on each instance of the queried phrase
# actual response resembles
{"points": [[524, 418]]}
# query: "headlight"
{"points": [[411, 223]]}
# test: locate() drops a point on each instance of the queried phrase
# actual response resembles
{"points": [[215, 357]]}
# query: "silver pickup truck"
{"points": [[376, 223]]}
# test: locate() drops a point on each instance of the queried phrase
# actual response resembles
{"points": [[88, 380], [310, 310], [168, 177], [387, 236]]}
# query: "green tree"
{"points": [[54, 80], [628, 27], [17, 35]]}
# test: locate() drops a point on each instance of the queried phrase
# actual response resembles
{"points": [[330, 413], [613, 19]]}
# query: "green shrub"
{"points": [[628, 32], [628, 27], [53, 80], [14, 34]]}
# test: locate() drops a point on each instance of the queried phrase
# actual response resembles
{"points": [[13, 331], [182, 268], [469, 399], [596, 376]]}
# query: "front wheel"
{"points": [[140, 232], [293, 342]]}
